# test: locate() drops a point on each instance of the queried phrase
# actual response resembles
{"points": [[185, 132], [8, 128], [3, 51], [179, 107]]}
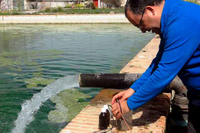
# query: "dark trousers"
{"points": [[193, 119]]}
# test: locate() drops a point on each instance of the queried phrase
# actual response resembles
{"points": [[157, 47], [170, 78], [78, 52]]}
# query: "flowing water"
{"points": [[30, 107], [34, 56]]}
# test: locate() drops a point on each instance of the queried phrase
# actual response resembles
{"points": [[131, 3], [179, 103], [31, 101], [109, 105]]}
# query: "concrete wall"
{"points": [[97, 18]]}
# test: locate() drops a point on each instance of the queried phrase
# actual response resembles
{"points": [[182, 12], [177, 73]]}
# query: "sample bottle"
{"points": [[103, 119], [108, 115]]}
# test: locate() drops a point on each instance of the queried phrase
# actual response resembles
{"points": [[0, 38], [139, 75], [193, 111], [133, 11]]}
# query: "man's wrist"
{"points": [[132, 89], [127, 106]]}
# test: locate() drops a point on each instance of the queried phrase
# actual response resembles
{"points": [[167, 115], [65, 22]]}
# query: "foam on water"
{"points": [[30, 107]]}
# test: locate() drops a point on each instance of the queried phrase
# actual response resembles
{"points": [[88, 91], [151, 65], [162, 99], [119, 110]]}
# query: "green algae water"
{"points": [[30, 107], [33, 56]]}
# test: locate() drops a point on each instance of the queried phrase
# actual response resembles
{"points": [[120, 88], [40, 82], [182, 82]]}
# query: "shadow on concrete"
{"points": [[152, 111]]}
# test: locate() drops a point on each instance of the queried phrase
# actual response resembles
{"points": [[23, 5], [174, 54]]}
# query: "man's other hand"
{"points": [[122, 96]]}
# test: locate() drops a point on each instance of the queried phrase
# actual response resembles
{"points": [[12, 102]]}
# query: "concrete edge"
{"points": [[65, 19]]}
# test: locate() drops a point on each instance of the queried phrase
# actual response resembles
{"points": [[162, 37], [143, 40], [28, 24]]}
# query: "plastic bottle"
{"points": [[108, 114], [103, 119]]}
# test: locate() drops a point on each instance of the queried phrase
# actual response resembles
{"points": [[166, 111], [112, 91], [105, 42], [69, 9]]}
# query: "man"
{"points": [[178, 24]]}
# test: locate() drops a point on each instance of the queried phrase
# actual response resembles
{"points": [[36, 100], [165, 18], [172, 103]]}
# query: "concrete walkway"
{"points": [[59, 19], [150, 118]]}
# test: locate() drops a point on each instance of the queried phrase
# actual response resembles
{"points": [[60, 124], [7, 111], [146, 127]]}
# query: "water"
{"points": [[30, 107], [33, 56]]}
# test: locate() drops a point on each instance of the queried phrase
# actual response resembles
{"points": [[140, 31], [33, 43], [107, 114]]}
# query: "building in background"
{"points": [[6, 5]]}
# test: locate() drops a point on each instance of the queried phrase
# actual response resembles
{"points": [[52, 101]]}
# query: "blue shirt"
{"points": [[179, 53]]}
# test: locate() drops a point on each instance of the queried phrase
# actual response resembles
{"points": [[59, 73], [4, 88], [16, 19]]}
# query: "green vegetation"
{"points": [[69, 10], [68, 104], [80, 6], [58, 9], [77, 6], [12, 12], [83, 11]]}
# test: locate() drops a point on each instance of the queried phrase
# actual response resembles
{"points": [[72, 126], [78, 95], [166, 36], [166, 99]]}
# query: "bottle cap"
{"points": [[103, 110]]}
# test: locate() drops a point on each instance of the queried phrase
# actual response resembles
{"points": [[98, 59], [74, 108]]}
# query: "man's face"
{"points": [[145, 22]]}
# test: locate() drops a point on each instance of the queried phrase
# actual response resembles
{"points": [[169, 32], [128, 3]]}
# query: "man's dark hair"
{"points": [[138, 6]]}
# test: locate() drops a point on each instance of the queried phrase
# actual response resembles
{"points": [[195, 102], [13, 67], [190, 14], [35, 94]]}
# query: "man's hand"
{"points": [[122, 96], [116, 109]]}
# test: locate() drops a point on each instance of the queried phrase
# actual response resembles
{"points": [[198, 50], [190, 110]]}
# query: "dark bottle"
{"points": [[108, 115], [103, 119]]}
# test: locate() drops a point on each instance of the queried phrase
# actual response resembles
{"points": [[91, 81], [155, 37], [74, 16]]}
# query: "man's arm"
{"points": [[145, 76], [124, 95]]}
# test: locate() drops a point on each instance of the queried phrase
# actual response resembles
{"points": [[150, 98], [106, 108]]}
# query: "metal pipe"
{"points": [[121, 81], [111, 80]]}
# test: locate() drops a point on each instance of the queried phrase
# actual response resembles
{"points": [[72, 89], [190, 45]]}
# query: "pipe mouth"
{"points": [[79, 80]]}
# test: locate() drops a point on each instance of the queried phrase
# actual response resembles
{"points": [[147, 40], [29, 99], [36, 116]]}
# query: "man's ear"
{"points": [[150, 10]]}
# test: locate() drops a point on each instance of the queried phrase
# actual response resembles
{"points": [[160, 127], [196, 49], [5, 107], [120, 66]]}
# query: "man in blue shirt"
{"points": [[178, 24]]}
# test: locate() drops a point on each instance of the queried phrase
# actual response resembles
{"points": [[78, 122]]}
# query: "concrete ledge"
{"points": [[89, 18], [150, 118]]}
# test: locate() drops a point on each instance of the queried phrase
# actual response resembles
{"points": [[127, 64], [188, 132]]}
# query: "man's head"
{"points": [[145, 14]]}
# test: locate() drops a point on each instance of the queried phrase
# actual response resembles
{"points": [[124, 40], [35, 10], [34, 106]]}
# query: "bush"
{"points": [[91, 5], [12, 12], [58, 9], [79, 6], [54, 9], [47, 9], [68, 6]]}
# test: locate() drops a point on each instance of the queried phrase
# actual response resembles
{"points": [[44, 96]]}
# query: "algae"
{"points": [[37, 74], [17, 59], [68, 104], [36, 82], [12, 74], [19, 63], [5, 62]]}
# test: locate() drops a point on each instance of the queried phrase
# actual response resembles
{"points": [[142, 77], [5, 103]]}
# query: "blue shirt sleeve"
{"points": [[179, 42], [138, 83]]}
